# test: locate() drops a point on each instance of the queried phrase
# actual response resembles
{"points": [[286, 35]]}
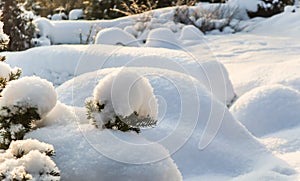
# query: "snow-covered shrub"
{"points": [[123, 101], [268, 109], [162, 38], [207, 18], [267, 8], [28, 160], [76, 14], [120, 37], [7, 74], [24, 102]]}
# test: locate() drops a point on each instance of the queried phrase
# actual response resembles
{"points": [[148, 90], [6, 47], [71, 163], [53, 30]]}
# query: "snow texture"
{"points": [[268, 109], [5, 70], [122, 93], [27, 159], [34, 91], [162, 38], [185, 109], [120, 37], [61, 63], [76, 14], [190, 32]]}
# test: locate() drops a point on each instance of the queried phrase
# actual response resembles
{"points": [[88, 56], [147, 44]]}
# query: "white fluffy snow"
{"points": [[162, 38], [31, 164], [75, 14], [188, 118], [60, 63], [190, 32], [123, 93], [33, 91], [268, 109], [4, 39], [115, 36], [5, 70]]}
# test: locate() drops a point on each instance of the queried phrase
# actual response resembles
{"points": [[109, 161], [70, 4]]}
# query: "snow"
{"points": [[188, 116], [196, 137], [163, 38], [4, 39], [120, 37], [32, 164], [249, 5], [75, 14], [190, 32], [123, 93], [105, 154], [268, 109], [61, 63], [24, 91], [5, 70]]}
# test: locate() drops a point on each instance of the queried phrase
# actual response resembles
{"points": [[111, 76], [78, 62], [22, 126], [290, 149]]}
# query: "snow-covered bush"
{"points": [[7, 74], [120, 37], [162, 38], [28, 160], [76, 14], [23, 103], [123, 101], [207, 18], [268, 109]]}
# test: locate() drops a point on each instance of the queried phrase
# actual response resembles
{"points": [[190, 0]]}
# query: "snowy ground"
{"points": [[256, 139]]}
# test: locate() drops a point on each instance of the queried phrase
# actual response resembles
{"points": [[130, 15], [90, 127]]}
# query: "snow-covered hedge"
{"points": [[4, 39], [7, 74], [123, 101], [28, 160]]}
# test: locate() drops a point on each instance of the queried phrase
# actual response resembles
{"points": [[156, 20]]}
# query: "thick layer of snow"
{"points": [[162, 38], [249, 5], [123, 93], [190, 32], [86, 153], [197, 130], [268, 109], [60, 63], [75, 14], [33, 91], [120, 37]]}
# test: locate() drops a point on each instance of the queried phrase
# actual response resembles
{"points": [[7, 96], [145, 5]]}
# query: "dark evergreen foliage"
{"points": [[19, 28]]}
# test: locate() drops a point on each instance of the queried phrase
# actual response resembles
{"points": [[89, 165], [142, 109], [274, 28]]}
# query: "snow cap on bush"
{"points": [[32, 91], [162, 38], [31, 162], [268, 109], [120, 37], [124, 93], [5, 70]]}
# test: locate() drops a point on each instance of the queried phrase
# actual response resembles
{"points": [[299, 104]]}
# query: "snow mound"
{"points": [[162, 38], [86, 153], [190, 32], [76, 14], [33, 91], [124, 92], [198, 131], [120, 37], [268, 109]]}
